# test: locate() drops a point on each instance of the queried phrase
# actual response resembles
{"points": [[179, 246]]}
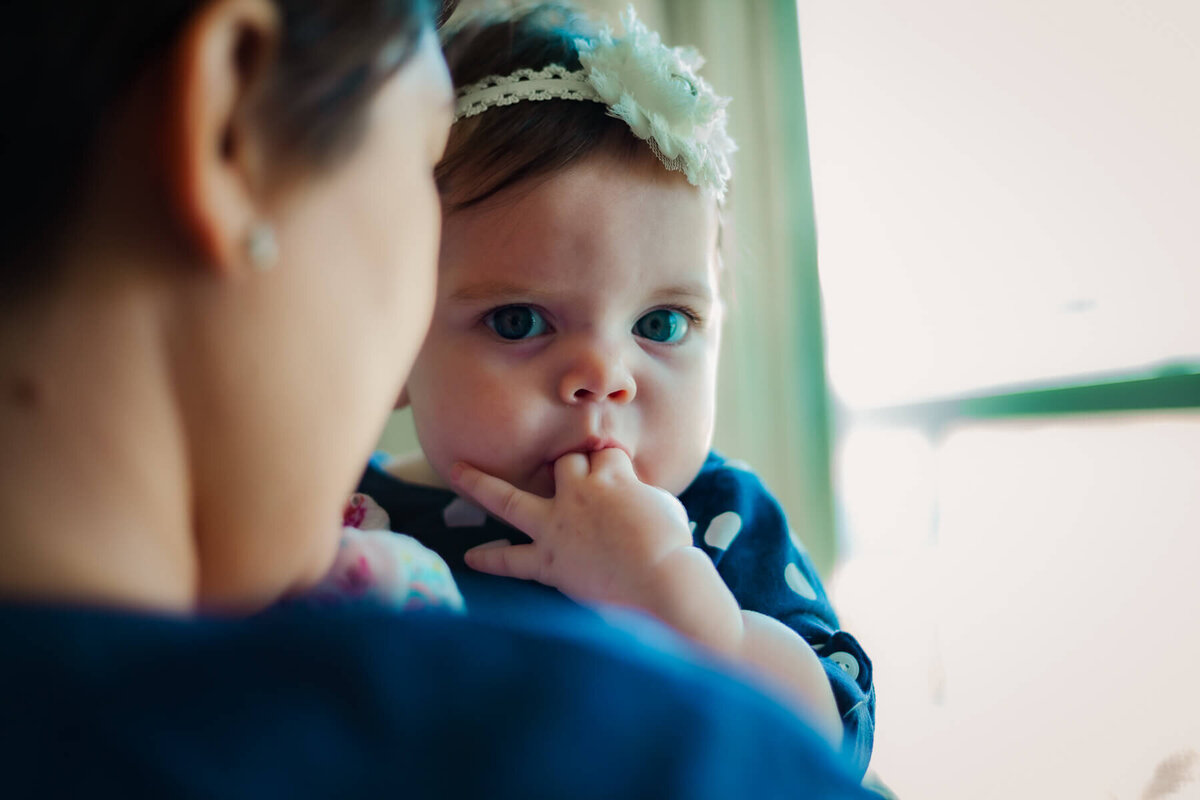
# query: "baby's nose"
{"points": [[597, 373]]}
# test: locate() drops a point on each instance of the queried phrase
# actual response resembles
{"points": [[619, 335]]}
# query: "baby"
{"points": [[567, 384]]}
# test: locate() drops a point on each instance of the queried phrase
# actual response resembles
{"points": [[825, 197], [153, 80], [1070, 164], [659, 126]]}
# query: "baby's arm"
{"points": [[691, 597], [606, 537]]}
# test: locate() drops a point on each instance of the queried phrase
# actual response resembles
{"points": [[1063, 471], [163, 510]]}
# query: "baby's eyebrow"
{"points": [[493, 290], [496, 291], [700, 292]]}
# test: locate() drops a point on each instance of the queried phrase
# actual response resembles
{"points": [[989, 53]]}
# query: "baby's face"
{"points": [[580, 313]]}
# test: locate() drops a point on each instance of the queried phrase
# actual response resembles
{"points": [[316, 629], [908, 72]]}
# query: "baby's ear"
{"points": [[402, 401]]}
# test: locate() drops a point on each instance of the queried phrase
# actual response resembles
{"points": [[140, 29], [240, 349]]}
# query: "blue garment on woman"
{"points": [[361, 701], [735, 520]]}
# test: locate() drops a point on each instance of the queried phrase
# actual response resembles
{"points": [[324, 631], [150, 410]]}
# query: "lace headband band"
{"points": [[653, 88], [552, 83]]}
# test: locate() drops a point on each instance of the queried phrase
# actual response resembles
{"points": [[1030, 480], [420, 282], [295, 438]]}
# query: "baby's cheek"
{"points": [[494, 431], [672, 462], [683, 470], [681, 446]]}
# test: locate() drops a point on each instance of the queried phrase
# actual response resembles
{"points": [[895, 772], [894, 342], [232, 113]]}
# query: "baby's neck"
{"points": [[414, 468]]}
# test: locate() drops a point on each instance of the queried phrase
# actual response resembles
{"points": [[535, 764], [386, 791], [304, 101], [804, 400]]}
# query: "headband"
{"points": [[652, 88]]}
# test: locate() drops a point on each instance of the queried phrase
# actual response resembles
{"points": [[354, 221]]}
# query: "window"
{"points": [[1005, 198], [1005, 194]]}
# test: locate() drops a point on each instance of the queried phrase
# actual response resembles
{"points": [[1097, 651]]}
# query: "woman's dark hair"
{"points": [[506, 145], [65, 64]]}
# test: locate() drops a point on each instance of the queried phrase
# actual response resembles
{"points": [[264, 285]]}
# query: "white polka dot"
{"points": [[847, 662], [461, 514], [797, 582], [722, 529], [692, 527], [795, 537]]}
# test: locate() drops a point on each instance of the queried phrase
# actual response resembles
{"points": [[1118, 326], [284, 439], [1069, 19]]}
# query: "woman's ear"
{"points": [[214, 169]]}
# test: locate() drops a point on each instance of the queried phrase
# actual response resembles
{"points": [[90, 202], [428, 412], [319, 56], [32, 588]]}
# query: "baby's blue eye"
{"points": [[663, 325], [516, 322]]}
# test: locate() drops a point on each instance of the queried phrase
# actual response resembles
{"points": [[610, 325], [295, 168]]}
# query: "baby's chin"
{"points": [[535, 480], [541, 482], [673, 481]]}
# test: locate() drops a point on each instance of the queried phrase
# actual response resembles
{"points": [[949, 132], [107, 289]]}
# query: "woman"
{"points": [[218, 204]]}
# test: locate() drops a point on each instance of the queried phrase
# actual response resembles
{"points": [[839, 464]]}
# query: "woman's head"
{"points": [[67, 65], [154, 146], [578, 302]]}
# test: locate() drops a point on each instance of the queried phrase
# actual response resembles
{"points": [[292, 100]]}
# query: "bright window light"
{"points": [[1045, 644], [1006, 192]]}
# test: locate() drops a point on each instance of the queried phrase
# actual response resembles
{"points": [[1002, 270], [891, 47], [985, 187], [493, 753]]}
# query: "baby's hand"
{"points": [[607, 537], [599, 539]]}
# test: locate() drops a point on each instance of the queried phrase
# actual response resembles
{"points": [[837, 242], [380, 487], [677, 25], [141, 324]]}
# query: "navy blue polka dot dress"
{"points": [[735, 521]]}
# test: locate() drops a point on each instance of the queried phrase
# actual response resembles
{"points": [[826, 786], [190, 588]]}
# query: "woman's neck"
{"points": [[93, 503]]}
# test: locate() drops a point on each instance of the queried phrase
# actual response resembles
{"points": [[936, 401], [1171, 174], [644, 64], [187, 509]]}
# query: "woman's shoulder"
{"points": [[302, 702]]}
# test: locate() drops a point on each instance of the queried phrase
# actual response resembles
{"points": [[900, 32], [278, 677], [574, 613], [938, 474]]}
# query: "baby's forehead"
{"points": [[556, 265], [594, 214], [578, 284]]}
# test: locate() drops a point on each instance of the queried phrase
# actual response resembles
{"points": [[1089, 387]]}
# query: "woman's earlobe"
{"points": [[214, 176], [262, 248]]}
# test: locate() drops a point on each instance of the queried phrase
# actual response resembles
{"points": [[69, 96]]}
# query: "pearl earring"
{"points": [[262, 248]]}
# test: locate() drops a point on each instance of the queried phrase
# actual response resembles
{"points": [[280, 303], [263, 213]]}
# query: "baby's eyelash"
{"points": [[482, 316], [694, 316]]}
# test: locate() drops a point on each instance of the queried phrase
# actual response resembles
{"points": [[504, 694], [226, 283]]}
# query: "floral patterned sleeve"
{"points": [[374, 563]]}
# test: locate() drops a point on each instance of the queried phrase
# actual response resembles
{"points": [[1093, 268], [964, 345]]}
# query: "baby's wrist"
{"points": [[685, 591]]}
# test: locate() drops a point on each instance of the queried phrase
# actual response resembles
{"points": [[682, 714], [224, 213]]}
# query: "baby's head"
{"points": [[578, 305]]}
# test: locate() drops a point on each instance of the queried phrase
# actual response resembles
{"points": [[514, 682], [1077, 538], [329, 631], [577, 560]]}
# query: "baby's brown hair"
{"points": [[505, 145]]}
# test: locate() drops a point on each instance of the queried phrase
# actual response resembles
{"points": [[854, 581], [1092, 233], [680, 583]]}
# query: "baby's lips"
{"points": [[593, 444]]}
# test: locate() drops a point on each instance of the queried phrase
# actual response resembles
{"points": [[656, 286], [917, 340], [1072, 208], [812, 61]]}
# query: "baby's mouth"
{"points": [[591, 444], [543, 480]]}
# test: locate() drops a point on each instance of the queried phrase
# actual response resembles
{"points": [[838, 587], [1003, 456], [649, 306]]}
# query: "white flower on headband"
{"points": [[656, 91], [653, 88]]}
